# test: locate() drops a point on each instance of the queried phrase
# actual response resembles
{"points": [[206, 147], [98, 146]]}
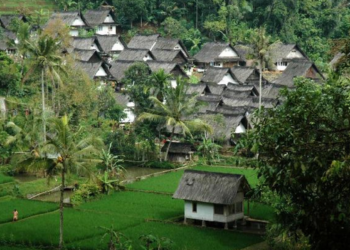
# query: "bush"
{"points": [[84, 193], [158, 164]]}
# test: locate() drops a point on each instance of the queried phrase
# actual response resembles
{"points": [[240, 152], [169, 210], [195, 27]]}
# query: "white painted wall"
{"points": [[147, 58], [130, 115], [173, 83], [94, 46], [217, 64], [118, 46], [108, 19], [101, 72], [240, 129], [228, 52], [78, 22], [205, 211], [295, 54], [281, 66], [226, 79], [106, 30], [74, 32]]}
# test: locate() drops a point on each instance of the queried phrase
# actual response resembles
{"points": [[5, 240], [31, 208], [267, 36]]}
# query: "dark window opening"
{"points": [[218, 209], [194, 207]]}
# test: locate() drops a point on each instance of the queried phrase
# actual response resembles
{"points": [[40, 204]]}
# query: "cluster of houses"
{"points": [[228, 79]]}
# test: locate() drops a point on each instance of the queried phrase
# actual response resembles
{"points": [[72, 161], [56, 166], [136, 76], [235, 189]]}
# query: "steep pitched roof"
{"points": [[7, 36], [272, 91], [279, 51], [239, 93], [169, 44], [92, 68], [118, 69], [5, 20], [210, 187], [97, 17], [215, 75], [168, 68], [167, 55], [210, 53], [134, 54], [295, 69], [67, 17], [177, 147], [227, 110], [216, 89], [85, 43], [143, 41], [122, 99], [243, 73], [86, 55], [243, 50], [196, 88], [107, 42]]}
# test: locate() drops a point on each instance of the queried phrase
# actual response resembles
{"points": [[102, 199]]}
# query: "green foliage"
{"points": [[209, 150], [10, 76], [84, 193], [304, 159], [151, 242], [160, 164], [130, 10]]}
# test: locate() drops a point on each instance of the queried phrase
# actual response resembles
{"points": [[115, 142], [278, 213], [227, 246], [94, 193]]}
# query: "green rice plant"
{"points": [[25, 208], [5, 179]]}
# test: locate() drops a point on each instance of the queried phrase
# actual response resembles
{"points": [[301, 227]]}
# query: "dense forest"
{"points": [[315, 25]]}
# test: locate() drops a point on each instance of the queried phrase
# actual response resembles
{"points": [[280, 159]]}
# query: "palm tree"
{"points": [[175, 111], [65, 152], [260, 43], [159, 81], [45, 56]]}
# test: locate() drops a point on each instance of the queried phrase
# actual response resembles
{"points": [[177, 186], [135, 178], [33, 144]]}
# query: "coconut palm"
{"points": [[45, 56], [63, 153], [260, 42], [175, 112]]}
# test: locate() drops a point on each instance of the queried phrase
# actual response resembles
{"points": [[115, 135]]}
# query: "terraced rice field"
{"points": [[13, 6]]}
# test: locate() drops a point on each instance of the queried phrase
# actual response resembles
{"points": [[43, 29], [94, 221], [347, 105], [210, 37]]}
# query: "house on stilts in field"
{"points": [[213, 197]]}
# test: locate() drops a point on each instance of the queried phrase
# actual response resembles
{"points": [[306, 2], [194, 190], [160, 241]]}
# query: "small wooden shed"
{"points": [[214, 197], [178, 151]]}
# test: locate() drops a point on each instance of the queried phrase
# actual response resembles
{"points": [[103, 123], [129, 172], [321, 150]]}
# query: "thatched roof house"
{"points": [[178, 151], [91, 56], [118, 69], [86, 43], [73, 19], [169, 68], [215, 197], [165, 43], [103, 20], [245, 51], [198, 89], [111, 44], [125, 101], [8, 38], [6, 19], [136, 55], [143, 41], [221, 76], [217, 55], [248, 75], [281, 54], [173, 56], [234, 90], [95, 70], [300, 68], [208, 102]]}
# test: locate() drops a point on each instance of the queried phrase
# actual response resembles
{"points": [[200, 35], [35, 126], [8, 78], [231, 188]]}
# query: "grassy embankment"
{"points": [[13, 6], [132, 213]]}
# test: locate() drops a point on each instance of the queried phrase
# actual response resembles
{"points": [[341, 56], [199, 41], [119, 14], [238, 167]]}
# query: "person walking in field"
{"points": [[15, 215]]}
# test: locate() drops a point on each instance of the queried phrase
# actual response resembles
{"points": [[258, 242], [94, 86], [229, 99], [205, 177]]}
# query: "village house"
{"points": [[220, 76], [212, 197], [248, 75], [86, 43], [73, 19], [98, 71], [282, 54], [297, 69], [136, 55], [125, 101], [112, 45], [102, 20], [6, 20], [172, 56], [8, 42], [178, 152], [213, 54]]}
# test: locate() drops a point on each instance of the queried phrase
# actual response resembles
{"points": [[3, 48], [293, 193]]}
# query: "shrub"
{"points": [[158, 164], [84, 193]]}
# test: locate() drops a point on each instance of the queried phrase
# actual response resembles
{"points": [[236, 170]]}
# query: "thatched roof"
{"points": [[85, 43], [196, 88], [210, 187], [134, 55], [299, 68], [243, 73], [216, 89], [230, 93], [272, 91], [177, 147], [5, 20], [215, 75], [336, 59], [118, 69], [169, 68], [279, 52], [244, 51], [208, 103], [170, 44], [87, 55], [228, 110], [7, 36], [92, 68], [143, 41], [67, 17], [97, 17], [121, 99], [210, 53], [167, 55], [107, 42]]}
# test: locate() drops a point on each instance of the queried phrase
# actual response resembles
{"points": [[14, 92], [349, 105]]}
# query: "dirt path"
{"points": [[29, 217]]}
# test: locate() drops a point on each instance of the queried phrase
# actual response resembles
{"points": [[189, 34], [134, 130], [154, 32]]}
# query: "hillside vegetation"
{"points": [[14, 6]]}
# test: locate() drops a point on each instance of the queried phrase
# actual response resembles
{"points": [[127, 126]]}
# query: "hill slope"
{"points": [[13, 6]]}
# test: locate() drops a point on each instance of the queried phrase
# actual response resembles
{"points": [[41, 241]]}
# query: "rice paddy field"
{"points": [[13, 6], [132, 213]]}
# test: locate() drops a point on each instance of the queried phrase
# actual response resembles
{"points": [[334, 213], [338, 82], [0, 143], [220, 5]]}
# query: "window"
{"points": [[239, 207], [194, 207], [110, 28], [99, 28], [231, 209], [218, 209], [217, 64]]}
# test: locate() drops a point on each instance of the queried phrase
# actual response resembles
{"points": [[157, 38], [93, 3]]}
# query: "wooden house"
{"points": [[136, 55], [125, 101], [245, 51], [298, 68], [99, 71], [6, 20], [103, 20], [282, 54], [112, 45], [217, 55], [143, 41], [220, 76], [248, 75], [212, 197], [172, 56], [91, 56], [118, 69], [178, 151], [8, 41], [86, 43], [235, 91], [73, 19]]}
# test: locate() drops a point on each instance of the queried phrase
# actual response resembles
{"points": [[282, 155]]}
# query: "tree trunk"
{"points": [[171, 138], [43, 104], [61, 207], [260, 83], [196, 14]]}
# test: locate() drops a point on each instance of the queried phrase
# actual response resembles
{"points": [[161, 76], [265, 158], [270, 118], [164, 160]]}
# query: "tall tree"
{"points": [[175, 111], [45, 57]]}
